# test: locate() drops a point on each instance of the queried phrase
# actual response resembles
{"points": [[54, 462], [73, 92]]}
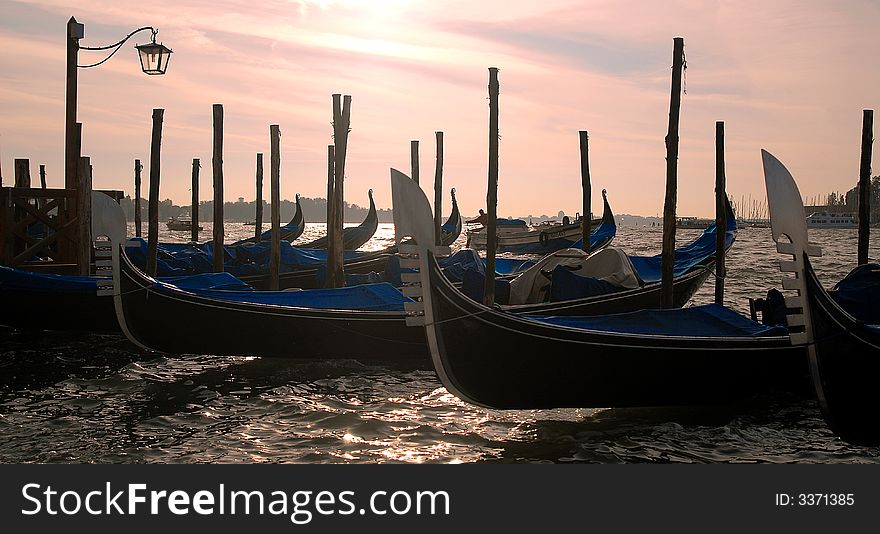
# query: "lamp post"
{"points": [[154, 61]]}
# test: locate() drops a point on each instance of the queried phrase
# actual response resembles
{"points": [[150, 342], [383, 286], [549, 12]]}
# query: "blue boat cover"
{"points": [[177, 259], [374, 297], [859, 293], [474, 285], [687, 257], [710, 320], [45, 283], [222, 281], [602, 233], [510, 222], [40, 282], [567, 285]]}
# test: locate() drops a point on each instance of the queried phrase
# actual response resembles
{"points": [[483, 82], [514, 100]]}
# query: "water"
{"points": [[96, 398]]}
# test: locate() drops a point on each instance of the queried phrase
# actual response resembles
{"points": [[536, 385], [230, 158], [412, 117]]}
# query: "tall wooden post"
{"points": [[341, 123], [75, 32], [865, 186], [42, 176], [668, 253], [194, 211], [331, 213], [217, 162], [492, 190], [414, 160], [275, 196], [137, 197], [22, 172], [258, 210], [153, 204], [84, 217], [720, 213], [438, 191], [586, 191]]}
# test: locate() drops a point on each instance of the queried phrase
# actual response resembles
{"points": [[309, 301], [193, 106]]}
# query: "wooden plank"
{"points": [[153, 203], [84, 217], [42, 243], [217, 164], [275, 197], [668, 252]]}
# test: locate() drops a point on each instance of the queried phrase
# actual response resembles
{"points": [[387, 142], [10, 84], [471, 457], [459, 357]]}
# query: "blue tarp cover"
{"points": [[710, 320], [24, 280], [859, 293], [686, 257], [375, 297], [177, 259], [18, 279], [568, 285]]}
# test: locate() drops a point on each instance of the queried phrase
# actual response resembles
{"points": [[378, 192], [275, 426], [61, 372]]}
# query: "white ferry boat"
{"points": [[825, 219]]}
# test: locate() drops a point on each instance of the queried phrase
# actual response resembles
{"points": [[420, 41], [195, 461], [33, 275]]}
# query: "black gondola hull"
{"points": [[502, 361], [181, 322], [848, 354]]}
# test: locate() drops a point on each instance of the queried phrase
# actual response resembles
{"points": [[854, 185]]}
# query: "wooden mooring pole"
{"points": [[331, 213], [438, 191], [194, 211], [341, 124], [258, 209], [84, 216], [720, 213], [153, 203], [217, 164], [275, 197], [586, 191], [22, 172], [865, 186], [668, 253], [414, 160], [137, 197], [42, 176], [492, 190]]}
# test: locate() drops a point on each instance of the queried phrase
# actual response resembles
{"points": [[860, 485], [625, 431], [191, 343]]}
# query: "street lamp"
{"points": [[154, 61]]}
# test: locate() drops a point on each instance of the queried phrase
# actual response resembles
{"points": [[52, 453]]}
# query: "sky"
{"points": [[789, 76]]}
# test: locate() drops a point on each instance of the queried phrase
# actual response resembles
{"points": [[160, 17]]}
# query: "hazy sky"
{"points": [[789, 76]]}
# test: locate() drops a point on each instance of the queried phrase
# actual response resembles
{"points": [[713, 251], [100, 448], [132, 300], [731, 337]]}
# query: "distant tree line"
{"points": [[851, 199], [314, 210]]}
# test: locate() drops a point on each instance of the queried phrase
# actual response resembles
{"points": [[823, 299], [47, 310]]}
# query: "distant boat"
{"points": [[516, 237], [181, 224], [825, 219], [353, 237]]}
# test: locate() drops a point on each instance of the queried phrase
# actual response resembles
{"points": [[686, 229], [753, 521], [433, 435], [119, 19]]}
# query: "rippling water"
{"points": [[96, 398]]}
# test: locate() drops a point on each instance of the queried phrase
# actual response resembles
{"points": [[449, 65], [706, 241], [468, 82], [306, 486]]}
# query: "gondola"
{"points": [[287, 324], [694, 263], [289, 232], [485, 356], [843, 352], [451, 229], [366, 323], [516, 237], [354, 237]]}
